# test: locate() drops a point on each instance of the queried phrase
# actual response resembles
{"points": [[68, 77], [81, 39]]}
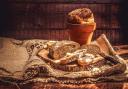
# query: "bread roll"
{"points": [[81, 16]]}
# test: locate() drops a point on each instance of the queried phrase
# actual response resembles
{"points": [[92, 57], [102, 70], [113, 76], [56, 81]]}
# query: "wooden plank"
{"points": [[38, 85], [36, 33], [67, 1], [114, 36], [55, 15], [49, 18], [122, 49]]}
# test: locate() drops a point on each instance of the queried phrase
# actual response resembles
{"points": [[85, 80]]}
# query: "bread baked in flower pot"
{"points": [[81, 25]]}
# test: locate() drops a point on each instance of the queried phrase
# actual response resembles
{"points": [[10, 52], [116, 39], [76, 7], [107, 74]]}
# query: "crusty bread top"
{"points": [[80, 16]]}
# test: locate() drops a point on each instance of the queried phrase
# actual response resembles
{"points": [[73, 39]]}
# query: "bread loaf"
{"points": [[80, 16], [61, 48]]}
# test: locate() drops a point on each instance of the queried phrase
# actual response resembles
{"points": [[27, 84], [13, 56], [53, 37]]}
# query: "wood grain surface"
{"points": [[40, 85], [28, 19]]}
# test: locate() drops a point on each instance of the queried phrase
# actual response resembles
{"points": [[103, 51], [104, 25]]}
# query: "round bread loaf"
{"points": [[80, 16]]}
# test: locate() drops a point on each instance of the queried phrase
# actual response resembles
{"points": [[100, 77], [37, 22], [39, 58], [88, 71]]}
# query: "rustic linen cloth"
{"points": [[18, 61]]}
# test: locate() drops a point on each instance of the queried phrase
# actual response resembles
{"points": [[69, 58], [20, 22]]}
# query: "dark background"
{"points": [[46, 19]]}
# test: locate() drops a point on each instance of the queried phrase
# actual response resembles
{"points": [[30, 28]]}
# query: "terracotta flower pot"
{"points": [[81, 33]]}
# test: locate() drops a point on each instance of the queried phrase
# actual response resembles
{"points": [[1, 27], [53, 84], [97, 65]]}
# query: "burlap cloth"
{"points": [[19, 63]]}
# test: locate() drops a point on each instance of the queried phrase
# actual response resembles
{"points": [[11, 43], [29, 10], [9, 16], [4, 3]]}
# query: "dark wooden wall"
{"points": [[46, 19]]}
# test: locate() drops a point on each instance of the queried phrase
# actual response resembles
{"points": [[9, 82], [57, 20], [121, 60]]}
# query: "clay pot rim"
{"points": [[81, 24]]}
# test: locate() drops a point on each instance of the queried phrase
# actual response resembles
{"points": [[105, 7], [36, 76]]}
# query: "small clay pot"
{"points": [[81, 33]]}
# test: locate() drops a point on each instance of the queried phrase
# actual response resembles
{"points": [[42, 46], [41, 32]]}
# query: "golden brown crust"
{"points": [[80, 16]]}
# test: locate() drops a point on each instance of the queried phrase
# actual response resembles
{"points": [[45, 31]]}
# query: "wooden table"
{"points": [[64, 86]]}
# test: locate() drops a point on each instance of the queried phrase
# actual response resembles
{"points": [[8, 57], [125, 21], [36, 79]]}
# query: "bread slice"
{"points": [[61, 48]]}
